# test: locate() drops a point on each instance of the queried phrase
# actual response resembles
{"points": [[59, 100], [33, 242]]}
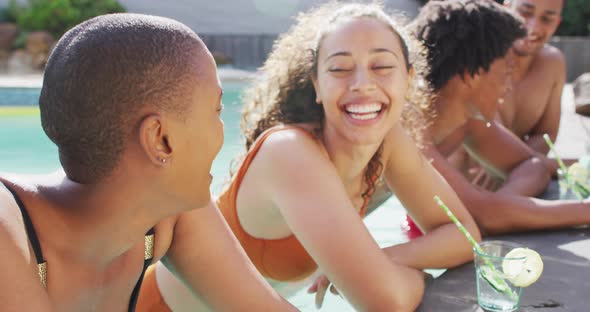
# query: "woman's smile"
{"points": [[362, 113]]}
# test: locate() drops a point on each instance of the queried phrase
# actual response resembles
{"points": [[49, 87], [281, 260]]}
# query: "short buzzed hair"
{"points": [[100, 74], [464, 36]]}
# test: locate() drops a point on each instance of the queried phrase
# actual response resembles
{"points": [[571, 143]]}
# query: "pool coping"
{"points": [[35, 80]]}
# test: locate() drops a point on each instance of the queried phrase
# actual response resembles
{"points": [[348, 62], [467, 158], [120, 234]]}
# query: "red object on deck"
{"points": [[410, 228]]}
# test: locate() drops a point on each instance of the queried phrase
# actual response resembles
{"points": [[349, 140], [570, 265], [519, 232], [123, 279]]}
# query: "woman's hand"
{"points": [[319, 287]]}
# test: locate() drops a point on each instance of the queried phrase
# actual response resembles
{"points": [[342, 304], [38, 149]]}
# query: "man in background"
{"points": [[533, 107]]}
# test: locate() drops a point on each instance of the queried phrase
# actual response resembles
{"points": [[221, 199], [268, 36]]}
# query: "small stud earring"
{"points": [[407, 98], [163, 160], [501, 101]]}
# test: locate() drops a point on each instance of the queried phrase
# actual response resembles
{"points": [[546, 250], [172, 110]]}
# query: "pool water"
{"points": [[24, 148]]}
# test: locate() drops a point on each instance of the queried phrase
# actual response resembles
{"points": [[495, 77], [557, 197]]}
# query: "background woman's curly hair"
{"points": [[284, 93]]}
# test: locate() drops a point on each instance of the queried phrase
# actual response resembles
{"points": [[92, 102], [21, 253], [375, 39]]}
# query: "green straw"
{"points": [[500, 284], [552, 148], [580, 190], [459, 225]]}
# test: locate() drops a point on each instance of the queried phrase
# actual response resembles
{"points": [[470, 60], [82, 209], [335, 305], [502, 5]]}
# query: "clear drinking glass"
{"points": [[495, 292], [565, 189]]}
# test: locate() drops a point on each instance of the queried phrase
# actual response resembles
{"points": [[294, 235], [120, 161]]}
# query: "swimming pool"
{"points": [[24, 148]]}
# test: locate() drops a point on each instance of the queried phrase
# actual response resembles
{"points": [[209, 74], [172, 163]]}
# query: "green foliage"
{"points": [[91, 8], [21, 40], [575, 18], [3, 17], [8, 14], [58, 16]]}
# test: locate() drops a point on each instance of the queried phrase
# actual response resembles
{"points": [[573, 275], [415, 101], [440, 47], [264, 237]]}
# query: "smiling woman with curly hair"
{"points": [[323, 124]]}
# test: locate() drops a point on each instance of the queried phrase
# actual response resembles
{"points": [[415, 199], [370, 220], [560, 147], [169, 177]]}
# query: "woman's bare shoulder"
{"points": [[298, 139], [399, 145]]}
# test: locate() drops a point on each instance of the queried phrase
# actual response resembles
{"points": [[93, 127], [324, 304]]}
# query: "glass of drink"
{"points": [[494, 271], [565, 187]]}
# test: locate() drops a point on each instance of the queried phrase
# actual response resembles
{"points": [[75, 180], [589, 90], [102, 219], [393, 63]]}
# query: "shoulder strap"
{"points": [[257, 144], [147, 260], [29, 227], [32, 235]]}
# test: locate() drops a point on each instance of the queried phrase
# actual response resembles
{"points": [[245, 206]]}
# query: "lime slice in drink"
{"points": [[526, 272], [495, 279], [579, 173]]}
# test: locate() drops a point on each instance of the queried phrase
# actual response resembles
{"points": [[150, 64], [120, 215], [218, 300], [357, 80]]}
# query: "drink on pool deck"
{"points": [[495, 291], [492, 300], [576, 184], [502, 269], [565, 187]]}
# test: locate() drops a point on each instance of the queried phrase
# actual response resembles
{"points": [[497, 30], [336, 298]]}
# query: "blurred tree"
{"points": [[58, 16], [575, 18]]}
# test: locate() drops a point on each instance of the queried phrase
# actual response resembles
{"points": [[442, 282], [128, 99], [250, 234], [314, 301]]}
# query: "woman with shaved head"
{"points": [[132, 103]]}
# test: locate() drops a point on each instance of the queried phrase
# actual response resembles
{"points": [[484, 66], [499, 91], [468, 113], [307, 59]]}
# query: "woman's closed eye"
{"points": [[339, 69], [378, 67], [383, 69]]}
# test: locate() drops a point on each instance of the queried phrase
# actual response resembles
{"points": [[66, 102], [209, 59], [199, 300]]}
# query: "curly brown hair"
{"points": [[284, 93], [463, 37]]}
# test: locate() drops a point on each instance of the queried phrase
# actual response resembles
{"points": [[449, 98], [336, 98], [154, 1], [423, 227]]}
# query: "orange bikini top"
{"points": [[282, 259]]}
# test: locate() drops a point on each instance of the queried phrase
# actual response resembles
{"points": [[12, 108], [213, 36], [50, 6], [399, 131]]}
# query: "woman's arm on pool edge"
{"points": [[205, 254], [415, 182], [303, 183]]}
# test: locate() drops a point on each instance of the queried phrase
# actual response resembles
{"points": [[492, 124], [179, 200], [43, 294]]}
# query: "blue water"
{"points": [[24, 148], [19, 96]]}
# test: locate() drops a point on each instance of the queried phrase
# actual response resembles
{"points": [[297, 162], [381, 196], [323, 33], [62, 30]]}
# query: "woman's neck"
{"points": [[94, 224], [350, 159]]}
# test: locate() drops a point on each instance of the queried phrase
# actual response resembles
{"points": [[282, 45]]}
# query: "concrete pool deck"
{"points": [[34, 80], [21, 81]]}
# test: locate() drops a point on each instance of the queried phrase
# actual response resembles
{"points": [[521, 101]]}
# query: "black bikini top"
{"points": [[42, 264]]}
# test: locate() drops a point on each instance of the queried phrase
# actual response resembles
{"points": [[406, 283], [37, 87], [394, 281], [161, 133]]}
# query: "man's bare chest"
{"points": [[525, 106]]}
